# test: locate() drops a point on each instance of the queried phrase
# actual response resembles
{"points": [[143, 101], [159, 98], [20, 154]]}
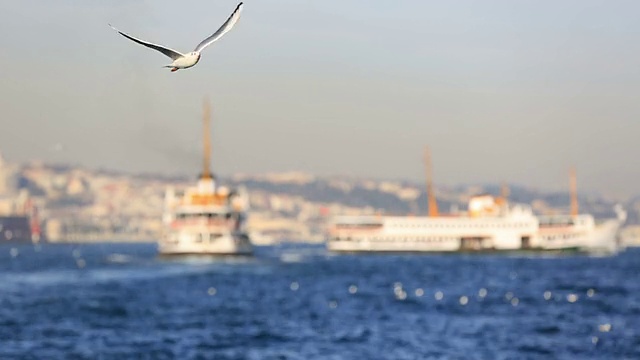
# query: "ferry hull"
{"points": [[541, 252], [505, 234], [599, 239], [389, 247], [226, 245], [604, 238]]}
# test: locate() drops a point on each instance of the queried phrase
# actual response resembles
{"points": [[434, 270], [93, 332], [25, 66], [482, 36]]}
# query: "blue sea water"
{"points": [[120, 301]]}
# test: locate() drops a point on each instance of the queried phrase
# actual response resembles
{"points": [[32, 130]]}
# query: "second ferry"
{"points": [[489, 224], [206, 219]]}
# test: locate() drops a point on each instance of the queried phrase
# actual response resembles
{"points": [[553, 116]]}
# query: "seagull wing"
{"points": [[169, 52], [232, 20]]}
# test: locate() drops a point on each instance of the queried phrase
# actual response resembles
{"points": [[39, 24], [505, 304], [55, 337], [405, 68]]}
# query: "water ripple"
{"points": [[299, 302]]}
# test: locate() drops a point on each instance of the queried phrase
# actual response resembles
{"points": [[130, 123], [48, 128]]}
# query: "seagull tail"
{"points": [[173, 68]]}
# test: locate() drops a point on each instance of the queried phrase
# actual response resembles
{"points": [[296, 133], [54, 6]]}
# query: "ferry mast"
{"points": [[206, 183], [574, 192], [431, 198]]}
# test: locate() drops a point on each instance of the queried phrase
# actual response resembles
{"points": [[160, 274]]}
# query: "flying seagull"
{"points": [[185, 61]]}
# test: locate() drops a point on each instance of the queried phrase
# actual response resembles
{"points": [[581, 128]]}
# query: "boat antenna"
{"points": [[574, 193], [206, 141], [431, 198]]}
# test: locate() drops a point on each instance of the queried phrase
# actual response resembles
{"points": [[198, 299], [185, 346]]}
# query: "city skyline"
{"points": [[501, 92]]}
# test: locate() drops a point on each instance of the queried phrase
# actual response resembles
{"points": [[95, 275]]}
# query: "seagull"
{"points": [[185, 61]]}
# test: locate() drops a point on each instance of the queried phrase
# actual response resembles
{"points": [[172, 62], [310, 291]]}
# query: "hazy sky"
{"points": [[513, 91]]}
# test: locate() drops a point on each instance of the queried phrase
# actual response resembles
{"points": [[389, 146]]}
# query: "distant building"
{"points": [[53, 229]]}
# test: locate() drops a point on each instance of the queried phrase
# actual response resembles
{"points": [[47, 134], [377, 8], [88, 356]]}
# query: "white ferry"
{"points": [[490, 224], [206, 219]]}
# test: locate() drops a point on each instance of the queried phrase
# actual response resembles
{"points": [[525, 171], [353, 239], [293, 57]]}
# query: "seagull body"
{"points": [[185, 61]]}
